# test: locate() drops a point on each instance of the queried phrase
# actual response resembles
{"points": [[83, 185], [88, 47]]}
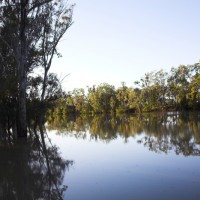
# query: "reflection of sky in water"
{"points": [[119, 170]]}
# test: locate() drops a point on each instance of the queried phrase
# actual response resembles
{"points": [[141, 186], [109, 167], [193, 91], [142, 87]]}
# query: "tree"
{"points": [[193, 96], [101, 98], [178, 82], [57, 19], [122, 97], [36, 27]]}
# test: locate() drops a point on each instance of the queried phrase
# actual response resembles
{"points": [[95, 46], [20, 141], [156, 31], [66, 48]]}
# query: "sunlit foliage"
{"points": [[156, 91]]}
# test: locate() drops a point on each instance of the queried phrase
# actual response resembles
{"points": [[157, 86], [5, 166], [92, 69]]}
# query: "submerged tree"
{"points": [[34, 29]]}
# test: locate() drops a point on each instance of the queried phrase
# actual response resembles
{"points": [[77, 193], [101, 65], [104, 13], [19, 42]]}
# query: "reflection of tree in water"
{"points": [[31, 169], [161, 132], [179, 133]]}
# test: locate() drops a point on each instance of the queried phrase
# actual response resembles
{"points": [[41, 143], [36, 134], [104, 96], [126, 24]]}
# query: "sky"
{"points": [[117, 41]]}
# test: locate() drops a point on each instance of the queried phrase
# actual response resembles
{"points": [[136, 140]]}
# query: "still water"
{"points": [[148, 157]]}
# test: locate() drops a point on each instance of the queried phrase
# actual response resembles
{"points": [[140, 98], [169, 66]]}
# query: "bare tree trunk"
{"points": [[22, 126], [44, 85]]}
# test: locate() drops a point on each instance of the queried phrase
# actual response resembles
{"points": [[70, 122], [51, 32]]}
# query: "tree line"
{"points": [[156, 91], [30, 31]]}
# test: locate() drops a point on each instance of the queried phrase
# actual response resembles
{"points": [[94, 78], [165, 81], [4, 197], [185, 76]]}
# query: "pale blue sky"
{"points": [[113, 41]]}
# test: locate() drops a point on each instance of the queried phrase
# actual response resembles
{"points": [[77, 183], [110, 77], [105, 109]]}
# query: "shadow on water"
{"points": [[32, 168], [160, 132]]}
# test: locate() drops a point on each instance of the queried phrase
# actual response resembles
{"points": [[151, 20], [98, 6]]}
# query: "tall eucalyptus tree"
{"points": [[37, 27]]}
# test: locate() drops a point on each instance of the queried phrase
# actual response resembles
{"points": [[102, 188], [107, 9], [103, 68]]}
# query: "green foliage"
{"points": [[102, 99], [29, 34], [193, 95], [178, 90]]}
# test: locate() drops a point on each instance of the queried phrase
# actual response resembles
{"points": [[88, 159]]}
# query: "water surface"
{"points": [[153, 156], [147, 157]]}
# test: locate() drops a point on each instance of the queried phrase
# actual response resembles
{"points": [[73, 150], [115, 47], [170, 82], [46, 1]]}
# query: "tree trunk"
{"points": [[22, 126], [44, 85]]}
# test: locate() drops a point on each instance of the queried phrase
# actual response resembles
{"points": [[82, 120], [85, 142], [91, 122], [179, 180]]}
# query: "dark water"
{"points": [[149, 157]]}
